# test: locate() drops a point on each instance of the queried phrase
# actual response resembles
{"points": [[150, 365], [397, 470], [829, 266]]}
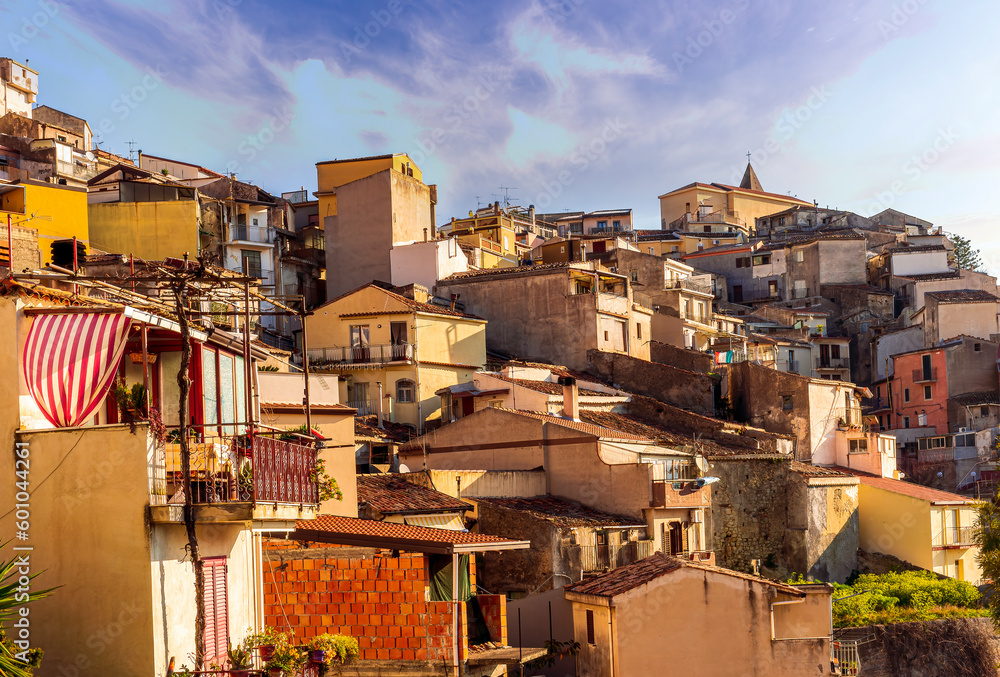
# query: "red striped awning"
{"points": [[69, 361]]}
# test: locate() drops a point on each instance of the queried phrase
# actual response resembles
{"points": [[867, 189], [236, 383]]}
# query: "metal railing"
{"points": [[955, 536], [244, 233], [604, 557], [851, 417], [236, 469], [790, 366], [373, 354], [366, 406], [688, 283], [925, 375], [296, 196], [845, 658], [694, 316], [831, 363]]}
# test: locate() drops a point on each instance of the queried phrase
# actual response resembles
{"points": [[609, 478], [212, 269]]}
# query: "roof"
{"points": [[583, 426], [974, 399], [726, 187], [360, 159], [918, 491], [909, 249], [721, 249], [406, 537], [962, 296], [810, 470], [412, 304], [609, 212], [950, 275], [562, 512], [750, 181], [623, 579], [550, 388], [393, 495], [511, 271], [366, 428], [664, 435], [861, 287]]}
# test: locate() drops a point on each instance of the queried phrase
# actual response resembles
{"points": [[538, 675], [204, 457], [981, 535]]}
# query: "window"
{"points": [[606, 336], [772, 287], [590, 627], [404, 391], [251, 262], [835, 352], [787, 402], [61, 138], [650, 250], [925, 363], [906, 394], [634, 275], [984, 411], [616, 225], [859, 446], [506, 243], [601, 225], [799, 256], [216, 609], [761, 259], [739, 261], [638, 330], [707, 229], [562, 249], [977, 347], [255, 222], [927, 392], [675, 248], [906, 421]]}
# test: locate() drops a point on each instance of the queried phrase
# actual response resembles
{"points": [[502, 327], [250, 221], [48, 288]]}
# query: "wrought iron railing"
{"points": [[845, 658], [245, 233], [372, 354], [831, 363], [604, 557], [239, 469], [957, 536], [689, 284]]}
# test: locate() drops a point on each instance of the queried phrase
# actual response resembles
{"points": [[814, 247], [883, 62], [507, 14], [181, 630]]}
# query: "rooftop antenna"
{"points": [[478, 203], [131, 153], [506, 194]]}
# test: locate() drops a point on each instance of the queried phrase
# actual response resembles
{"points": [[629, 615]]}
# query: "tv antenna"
{"points": [[506, 194], [131, 153]]}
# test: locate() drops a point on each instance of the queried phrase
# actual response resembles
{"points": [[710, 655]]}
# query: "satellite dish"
{"points": [[90, 156], [403, 468]]}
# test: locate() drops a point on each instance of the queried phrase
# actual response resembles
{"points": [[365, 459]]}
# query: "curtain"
{"points": [[69, 362]]}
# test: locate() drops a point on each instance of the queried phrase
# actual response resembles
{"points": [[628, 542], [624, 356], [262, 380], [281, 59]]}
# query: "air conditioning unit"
{"points": [[963, 429]]}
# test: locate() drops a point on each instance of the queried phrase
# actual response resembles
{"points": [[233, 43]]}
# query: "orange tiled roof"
{"points": [[393, 495], [561, 511], [918, 491], [350, 527]]}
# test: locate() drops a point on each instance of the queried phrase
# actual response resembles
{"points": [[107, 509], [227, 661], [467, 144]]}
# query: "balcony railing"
{"points": [[832, 363], [366, 406], [374, 354], [694, 316], [604, 557], [688, 283], [955, 537], [925, 375], [851, 417], [243, 233], [790, 366], [77, 171], [238, 469], [296, 196], [11, 172]]}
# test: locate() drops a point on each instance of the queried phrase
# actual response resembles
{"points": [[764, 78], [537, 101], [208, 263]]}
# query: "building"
{"points": [[79, 133], [721, 208], [969, 312], [425, 263], [57, 213], [366, 206], [721, 622], [554, 313], [755, 273], [395, 352], [20, 87], [835, 258], [926, 527]]}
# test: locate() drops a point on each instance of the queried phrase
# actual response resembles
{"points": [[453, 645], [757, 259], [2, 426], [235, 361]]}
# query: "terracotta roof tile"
{"points": [[550, 388], [951, 274], [352, 526], [631, 576], [973, 399], [391, 494], [962, 296], [512, 271], [905, 248], [561, 511], [367, 426], [935, 496], [809, 470], [582, 426], [664, 435]]}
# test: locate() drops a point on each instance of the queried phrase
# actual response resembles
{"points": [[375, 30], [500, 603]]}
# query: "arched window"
{"points": [[404, 390]]}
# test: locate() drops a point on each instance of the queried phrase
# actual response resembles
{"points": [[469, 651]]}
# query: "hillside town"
{"points": [[297, 429]]}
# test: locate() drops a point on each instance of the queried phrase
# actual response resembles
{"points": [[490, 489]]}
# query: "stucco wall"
{"points": [[675, 356], [151, 230], [822, 537], [674, 386]]}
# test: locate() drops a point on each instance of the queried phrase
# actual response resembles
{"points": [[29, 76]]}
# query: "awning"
{"points": [[69, 360], [453, 522]]}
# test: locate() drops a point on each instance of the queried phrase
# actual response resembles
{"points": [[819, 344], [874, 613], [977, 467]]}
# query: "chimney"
{"points": [[425, 235], [571, 398], [531, 213], [496, 207]]}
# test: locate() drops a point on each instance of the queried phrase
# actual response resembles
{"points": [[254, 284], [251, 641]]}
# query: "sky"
{"points": [[564, 104]]}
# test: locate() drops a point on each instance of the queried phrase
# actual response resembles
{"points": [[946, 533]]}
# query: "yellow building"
{"points": [[56, 212], [721, 208], [920, 525], [331, 174], [393, 352], [493, 232]]}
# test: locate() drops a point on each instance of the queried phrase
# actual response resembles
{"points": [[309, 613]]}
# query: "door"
{"points": [[824, 355], [468, 406], [737, 293], [676, 530], [603, 556], [361, 401], [397, 336], [359, 344], [600, 247], [951, 527]]}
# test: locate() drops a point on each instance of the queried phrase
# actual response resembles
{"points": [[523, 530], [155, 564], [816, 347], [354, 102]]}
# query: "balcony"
{"points": [[955, 537], [296, 196], [609, 556], [235, 479], [612, 303], [834, 363], [678, 494], [924, 375], [695, 316], [254, 234], [400, 353], [11, 172], [689, 284], [790, 366], [851, 418], [76, 170]]}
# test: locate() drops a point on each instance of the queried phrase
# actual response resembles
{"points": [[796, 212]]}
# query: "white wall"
{"points": [[919, 263], [426, 262], [286, 388]]}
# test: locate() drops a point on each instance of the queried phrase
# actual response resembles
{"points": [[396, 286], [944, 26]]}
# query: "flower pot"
{"points": [[317, 656], [266, 651], [240, 672], [276, 672]]}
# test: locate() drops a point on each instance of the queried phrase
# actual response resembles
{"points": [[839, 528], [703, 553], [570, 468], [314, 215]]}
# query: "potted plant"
{"points": [[285, 659], [327, 649], [241, 658], [264, 641]]}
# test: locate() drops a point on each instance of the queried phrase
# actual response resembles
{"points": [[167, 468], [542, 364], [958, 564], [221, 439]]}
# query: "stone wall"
{"points": [[682, 358], [745, 523], [678, 387], [821, 541], [521, 570], [956, 647]]}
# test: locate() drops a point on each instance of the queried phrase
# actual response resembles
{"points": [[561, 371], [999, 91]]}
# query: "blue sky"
{"points": [[574, 104]]}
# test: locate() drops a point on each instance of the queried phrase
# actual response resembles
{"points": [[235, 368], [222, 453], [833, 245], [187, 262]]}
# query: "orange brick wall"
{"points": [[495, 613], [380, 600]]}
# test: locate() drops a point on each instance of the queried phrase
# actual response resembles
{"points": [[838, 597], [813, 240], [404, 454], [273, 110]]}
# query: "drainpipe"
{"points": [[611, 637], [381, 425]]}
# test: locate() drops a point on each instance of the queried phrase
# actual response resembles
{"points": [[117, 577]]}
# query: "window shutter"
{"points": [[216, 609], [590, 627]]}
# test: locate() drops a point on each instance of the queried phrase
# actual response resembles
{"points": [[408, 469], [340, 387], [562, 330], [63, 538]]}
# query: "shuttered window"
{"points": [[216, 610], [590, 627]]}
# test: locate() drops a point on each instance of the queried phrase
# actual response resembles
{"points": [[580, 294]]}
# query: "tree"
{"points": [[966, 258], [986, 535]]}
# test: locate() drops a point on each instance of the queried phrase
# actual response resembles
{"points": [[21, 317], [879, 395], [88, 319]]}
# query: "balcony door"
{"points": [[360, 342], [674, 539], [398, 338], [824, 355]]}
